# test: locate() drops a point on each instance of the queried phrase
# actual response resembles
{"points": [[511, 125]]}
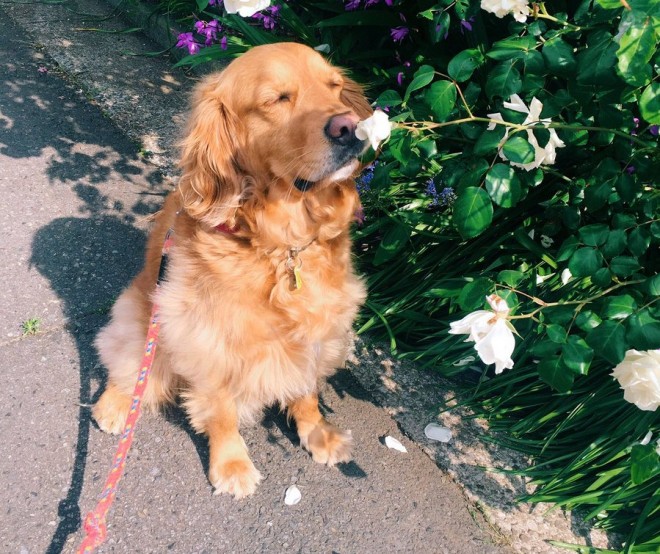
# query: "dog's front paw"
{"points": [[236, 476], [328, 444], [111, 410]]}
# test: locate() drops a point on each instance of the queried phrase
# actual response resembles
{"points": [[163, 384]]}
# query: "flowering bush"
{"points": [[540, 130]]}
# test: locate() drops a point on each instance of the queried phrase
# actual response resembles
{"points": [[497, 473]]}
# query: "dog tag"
{"points": [[297, 276]]}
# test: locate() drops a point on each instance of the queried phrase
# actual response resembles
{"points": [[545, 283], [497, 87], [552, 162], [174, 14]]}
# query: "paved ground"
{"points": [[74, 195]]}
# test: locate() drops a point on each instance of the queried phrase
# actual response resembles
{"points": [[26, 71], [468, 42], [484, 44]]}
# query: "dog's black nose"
{"points": [[340, 129]]}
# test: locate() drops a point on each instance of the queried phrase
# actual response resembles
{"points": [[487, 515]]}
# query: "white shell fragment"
{"points": [[394, 444], [437, 432], [292, 495]]}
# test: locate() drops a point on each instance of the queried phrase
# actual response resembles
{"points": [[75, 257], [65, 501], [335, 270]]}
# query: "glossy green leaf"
{"points": [[618, 306], [518, 150], [473, 212], [643, 331], [559, 57], [556, 333], [394, 240], [555, 374], [595, 234], [644, 463], [503, 81], [441, 97], [462, 65], [423, 76], [649, 103], [585, 262], [608, 341], [503, 185], [577, 355], [473, 294], [624, 266], [636, 46]]}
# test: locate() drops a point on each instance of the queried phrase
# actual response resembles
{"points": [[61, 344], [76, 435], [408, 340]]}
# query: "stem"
{"points": [[579, 303]]}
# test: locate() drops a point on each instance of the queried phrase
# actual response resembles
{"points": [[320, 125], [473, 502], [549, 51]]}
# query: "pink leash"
{"points": [[95, 522]]}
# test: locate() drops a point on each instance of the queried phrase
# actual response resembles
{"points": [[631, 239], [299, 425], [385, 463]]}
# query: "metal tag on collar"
{"points": [[294, 266]]}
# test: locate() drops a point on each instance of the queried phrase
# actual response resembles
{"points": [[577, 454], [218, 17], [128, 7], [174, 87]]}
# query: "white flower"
{"points": [[647, 438], [376, 128], [542, 156], [639, 377], [546, 241], [246, 8], [491, 332], [518, 8], [566, 276]]}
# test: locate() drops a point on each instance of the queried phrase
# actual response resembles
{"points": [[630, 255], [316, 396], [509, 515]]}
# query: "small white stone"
{"points": [[394, 444], [437, 432], [292, 495]]}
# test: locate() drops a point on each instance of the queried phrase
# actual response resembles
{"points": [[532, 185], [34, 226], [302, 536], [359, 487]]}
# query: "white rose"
{"points": [[639, 377], [491, 332], [542, 156], [375, 129], [518, 8], [245, 8]]}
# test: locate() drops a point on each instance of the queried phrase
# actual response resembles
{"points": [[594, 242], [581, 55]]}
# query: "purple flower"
{"points": [[630, 169], [399, 78], [268, 17], [186, 40], [363, 182], [369, 3], [432, 192], [223, 42], [636, 122], [447, 196], [209, 30], [351, 5], [653, 129], [467, 24], [399, 33], [215, 2]]}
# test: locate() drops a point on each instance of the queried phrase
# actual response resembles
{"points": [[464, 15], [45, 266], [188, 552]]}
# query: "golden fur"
{"points": [[236, 334]]}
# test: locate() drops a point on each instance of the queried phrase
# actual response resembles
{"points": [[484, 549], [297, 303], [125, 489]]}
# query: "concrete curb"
{"points": [[150, 109]]}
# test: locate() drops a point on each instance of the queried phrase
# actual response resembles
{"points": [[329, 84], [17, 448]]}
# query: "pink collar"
{"points": [[224, 228]]}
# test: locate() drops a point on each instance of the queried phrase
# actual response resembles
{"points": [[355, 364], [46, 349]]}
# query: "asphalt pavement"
{"points": [[76, 190]]}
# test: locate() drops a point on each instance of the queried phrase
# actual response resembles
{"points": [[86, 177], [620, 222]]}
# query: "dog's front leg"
{"points": [[327, 444], [230, 467]]}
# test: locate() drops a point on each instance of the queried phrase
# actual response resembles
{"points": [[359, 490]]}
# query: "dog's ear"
{"points": [[211, 183], [352, 95]]}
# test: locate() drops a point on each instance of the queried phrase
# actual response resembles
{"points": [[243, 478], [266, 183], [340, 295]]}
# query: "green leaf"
{"points": [[462, 65], [473, 212], [441, 97], [553, 372], [362, 18], [394, 240], [576, 355], [615, 244], [567, 248], [652, 285], [643, 331], [510, 277], [608, 341], [518, 150], [644, 463], [597, 195], [636, 47], [556, 333], [624, 266], [423, 76], [388, 99], [587, 320], [544, 349], [618, 306], [503, 81], [585, 262], [602, 278], [503, 185], [595, 62], [595, 234], [649, 103], [474, 293], [489, 141], [511, 48], [639, 241], [558, 56]]}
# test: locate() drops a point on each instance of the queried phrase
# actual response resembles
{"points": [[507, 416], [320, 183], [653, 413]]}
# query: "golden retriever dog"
{"points": [[259, 294]]}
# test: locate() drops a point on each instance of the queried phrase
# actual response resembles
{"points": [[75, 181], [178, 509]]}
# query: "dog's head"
{"points": [[278, 116]]}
